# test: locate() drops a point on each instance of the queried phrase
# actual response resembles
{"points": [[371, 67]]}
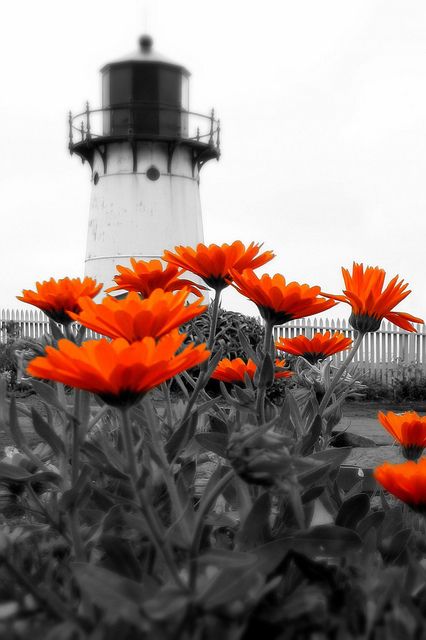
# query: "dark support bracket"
{"points": [[134, 146], [103, 153], [171, 148]]}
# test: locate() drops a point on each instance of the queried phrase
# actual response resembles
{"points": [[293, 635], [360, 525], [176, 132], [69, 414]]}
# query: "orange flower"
{"points": [[213, 263], [146, 276], [316, 348], [56, 297], [409, 429], [277, 301], [134, 319], [119, 372], [280, 372], [370, 303], [406, 481], [236, 369]]}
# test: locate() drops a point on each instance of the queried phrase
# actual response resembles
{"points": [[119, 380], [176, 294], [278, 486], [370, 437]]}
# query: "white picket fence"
{"points": [[382, 355]]}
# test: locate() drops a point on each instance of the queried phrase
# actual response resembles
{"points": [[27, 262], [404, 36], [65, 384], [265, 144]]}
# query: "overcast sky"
{"points": [[323, 110]]}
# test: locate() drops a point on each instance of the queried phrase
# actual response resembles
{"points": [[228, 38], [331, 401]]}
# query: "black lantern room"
{"points": [[145, 97], [145, 94]]}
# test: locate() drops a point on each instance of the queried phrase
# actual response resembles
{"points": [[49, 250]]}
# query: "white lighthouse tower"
{"points": [[145, 149]]}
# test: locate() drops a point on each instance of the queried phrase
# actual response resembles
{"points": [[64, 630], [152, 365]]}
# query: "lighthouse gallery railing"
{"points": [[144, 120]]}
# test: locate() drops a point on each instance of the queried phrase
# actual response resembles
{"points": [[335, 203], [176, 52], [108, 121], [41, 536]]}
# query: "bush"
{"points": [[408, 382], [229, 323]]}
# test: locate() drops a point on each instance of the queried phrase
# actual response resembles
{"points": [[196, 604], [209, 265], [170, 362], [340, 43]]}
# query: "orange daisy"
{"points": [[118, 372], [56, 297], [146, 276], [370, 302], [320, 346], [406, 481], [133, 319], [277, 301], [408, 428], [213, 263], [235, 370]]}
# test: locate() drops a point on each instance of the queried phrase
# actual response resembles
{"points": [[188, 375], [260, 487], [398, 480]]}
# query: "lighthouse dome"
{"points": [[145, 93], [145, 54]]}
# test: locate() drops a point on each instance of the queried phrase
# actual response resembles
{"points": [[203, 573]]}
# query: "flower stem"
{"points": [[129, 450], [339, 373], [204, 366], [143, 501], [267, 345], [215, 315], [198, 526]]}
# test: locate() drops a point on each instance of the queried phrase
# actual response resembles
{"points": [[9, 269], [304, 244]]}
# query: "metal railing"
{"points": [[140, 120]]}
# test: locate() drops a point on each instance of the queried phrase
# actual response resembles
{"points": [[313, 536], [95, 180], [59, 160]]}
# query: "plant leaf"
{"points": [[45, 432]]}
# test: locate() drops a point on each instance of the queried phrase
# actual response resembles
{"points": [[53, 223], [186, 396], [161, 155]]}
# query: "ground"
{"points": [[358, 417]]}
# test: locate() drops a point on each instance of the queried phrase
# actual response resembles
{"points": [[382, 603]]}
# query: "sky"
{"points": [[323, 113]]}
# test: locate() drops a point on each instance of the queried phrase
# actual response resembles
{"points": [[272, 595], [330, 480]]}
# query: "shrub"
{"points": [[229, 324]]}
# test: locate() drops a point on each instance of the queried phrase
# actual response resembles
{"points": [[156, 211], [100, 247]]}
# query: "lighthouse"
{"points": [[145, 149]]}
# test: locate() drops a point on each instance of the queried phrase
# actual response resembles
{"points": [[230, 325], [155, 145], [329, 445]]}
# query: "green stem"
{"points": [[339, 373], [199, 523], [157, 443], [204, 366], [143, 501], [267, 344], [129, 450]]}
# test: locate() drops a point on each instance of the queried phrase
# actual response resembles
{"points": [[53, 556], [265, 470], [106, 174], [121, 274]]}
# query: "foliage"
{"points": [[408, 382], [229, 326], [199, 517]]}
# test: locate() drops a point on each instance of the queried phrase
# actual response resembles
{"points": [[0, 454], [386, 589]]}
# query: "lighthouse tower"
{"points": [[145, 150]]}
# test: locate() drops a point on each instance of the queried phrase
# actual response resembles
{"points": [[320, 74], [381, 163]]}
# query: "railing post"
{"points": [[198, 134], [211, 127], [82, 130], [218, 137], [88, 134], [70, 130]]}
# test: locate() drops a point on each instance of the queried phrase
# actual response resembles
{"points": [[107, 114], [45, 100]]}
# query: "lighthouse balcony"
{"points": [[135, 122]]}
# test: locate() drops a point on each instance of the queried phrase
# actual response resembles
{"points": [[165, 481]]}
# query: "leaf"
{"points": [[373, 520], [311, 494], [311, 438], [15, 429], [217, 425], [45, 432], [295, 415], [120, 556], [313, 476], [180, 438], [333, 457], [74, 497], [246, 346], [48, 394], [55, 330], [101, 461], [392, 547], [255, 530], [13, 472], [225, 558], [118, 598], [353, 510], [264, 375], [321, 540], [231, 584], [215, 442]]}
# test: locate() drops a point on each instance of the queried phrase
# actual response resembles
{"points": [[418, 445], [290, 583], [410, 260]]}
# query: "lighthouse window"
{"points": [[95, 178], [153, 173], [120, 84], [169, 87]]}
